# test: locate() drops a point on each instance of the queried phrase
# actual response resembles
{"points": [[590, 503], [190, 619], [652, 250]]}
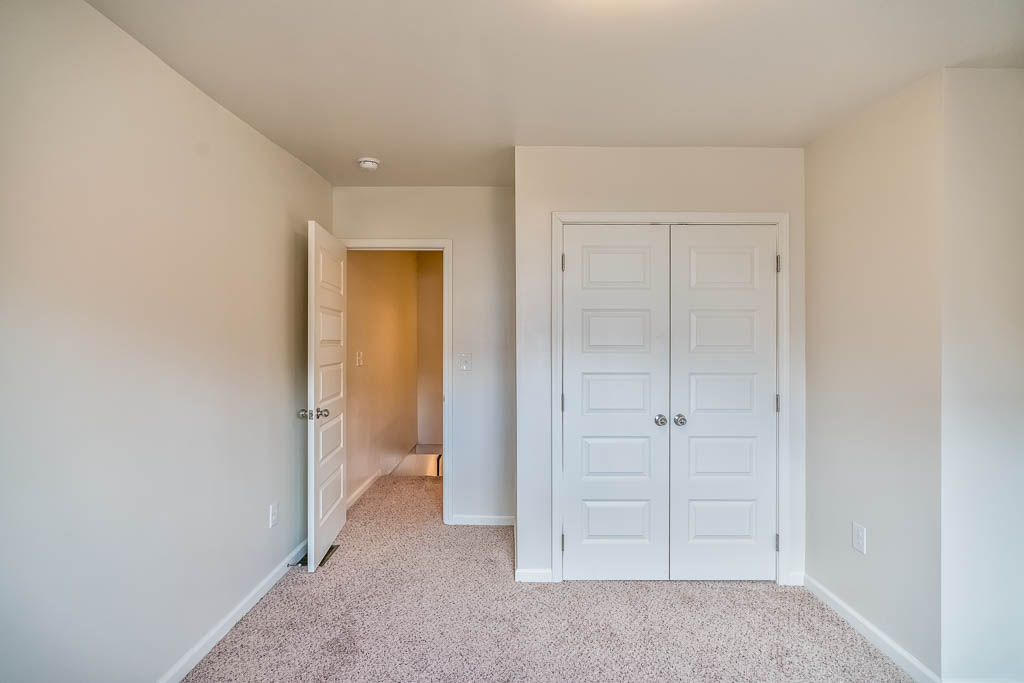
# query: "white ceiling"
{"points": [[441, 90]]}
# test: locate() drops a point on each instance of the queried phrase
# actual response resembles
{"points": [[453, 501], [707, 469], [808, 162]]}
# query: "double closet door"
{"points": [[669, 418]]}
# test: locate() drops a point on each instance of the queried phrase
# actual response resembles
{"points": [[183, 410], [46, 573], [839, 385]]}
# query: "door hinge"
{"points": [[776, 543], [563, 403], [563, 543], [563, 263], [778, 403], [778, 263]]}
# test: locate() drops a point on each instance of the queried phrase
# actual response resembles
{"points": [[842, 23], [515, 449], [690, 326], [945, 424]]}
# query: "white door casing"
{"points": [[723, 462], [325, 392], [723, 380], [615, 381], [790, 483]]}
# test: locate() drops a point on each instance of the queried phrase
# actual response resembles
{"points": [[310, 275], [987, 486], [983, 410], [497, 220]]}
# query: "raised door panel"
{"points": [[722, 520], [616, 521], [722, 267], [615, 266], [624, 456], [616, 393], [610, 331], [722, 456], [723, 331], [722, 392]]}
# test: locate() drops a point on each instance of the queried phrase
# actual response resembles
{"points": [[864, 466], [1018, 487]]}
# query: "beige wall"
{"points": [[479, 221], [430, 341], [631, 179], [152, 293], [873, 363], [382, 392], [983, 376]]}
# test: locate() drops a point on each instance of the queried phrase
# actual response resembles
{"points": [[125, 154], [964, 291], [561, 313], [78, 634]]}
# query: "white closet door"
{"points": [[615, 365], [724, 383]]}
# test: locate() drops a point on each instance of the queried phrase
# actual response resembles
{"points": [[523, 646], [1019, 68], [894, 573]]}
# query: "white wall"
{"points": [[983, 376], [479, 221], [629, 179], [152, 293], [873, 362], [429, 346], [381, 323]]}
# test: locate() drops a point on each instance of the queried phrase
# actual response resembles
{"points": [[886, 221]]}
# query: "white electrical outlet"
{"points": [[466, 362], [859, 538], [359, 359], [272, 521]]}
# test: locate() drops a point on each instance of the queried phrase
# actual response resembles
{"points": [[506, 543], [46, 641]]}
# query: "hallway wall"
{"points": [[382, 392], [430, 342]]}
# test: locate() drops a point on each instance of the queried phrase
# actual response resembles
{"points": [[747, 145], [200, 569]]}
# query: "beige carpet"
{"points": [[406, 598]]}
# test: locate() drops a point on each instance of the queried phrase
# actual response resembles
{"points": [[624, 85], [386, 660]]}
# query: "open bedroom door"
{"points": [[325, 398]]}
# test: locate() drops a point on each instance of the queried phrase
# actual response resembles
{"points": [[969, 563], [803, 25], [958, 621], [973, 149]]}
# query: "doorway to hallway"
{"points": [[397, 363]]}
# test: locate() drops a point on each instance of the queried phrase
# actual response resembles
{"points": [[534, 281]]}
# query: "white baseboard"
{"points": [[914, 667], [483, 520], [181, 667], [357, 494], [534, 575]]}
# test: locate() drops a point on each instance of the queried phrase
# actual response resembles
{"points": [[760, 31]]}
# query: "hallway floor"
{"points": [[407, 598]]}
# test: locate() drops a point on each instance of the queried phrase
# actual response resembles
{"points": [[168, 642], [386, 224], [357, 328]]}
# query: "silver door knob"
{"points": [[322, 412], [679, 420], [660, 420], [305, 414]]}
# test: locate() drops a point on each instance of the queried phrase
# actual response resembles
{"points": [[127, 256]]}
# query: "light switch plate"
{"points": [[466, 362], [272, 521], [859, 538]]}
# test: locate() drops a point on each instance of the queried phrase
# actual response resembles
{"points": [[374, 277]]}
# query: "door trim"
{"points": [[449, 480], [789, 511]]}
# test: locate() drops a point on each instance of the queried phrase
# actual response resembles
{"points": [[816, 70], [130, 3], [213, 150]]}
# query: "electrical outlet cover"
{"points": [[859, 538]]}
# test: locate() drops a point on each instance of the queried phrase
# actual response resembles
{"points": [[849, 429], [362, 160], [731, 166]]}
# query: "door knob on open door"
{"points": [[322, 412], [660, 420], [305, 414], [679, 419]]}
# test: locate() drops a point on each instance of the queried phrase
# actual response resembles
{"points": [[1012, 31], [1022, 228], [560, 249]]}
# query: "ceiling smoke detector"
{"points": [[368, 163]]}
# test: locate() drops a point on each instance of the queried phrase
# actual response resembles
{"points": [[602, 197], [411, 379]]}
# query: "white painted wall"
{"points": [[152, 293], [629, 179], [429, 346], [382, 392], [873, 362], [983, 376], [479, 221]]}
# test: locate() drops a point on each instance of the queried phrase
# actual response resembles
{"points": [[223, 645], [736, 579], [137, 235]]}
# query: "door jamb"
{"points": [[788, 491], [448, 481]]}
